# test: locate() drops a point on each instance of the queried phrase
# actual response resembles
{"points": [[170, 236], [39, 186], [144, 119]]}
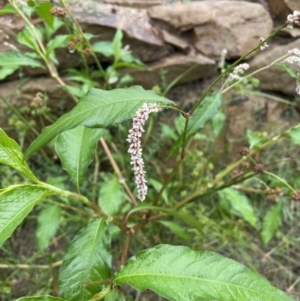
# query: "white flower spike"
{"points": [[135, 149]]}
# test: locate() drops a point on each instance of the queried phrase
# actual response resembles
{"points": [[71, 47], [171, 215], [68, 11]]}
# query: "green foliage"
{"points": [[195, 198], [11, 155], [271, 222], [40, 298], [239, 205], [204, 113], [110, 195], [179, 273], [12, 60], [88, 260], [7, 9], [99, 108], [16, 202], [75, 149], [48, 223]]}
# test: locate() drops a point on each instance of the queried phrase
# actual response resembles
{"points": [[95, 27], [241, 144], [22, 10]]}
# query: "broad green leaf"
{"points": [[99, 108], [117, 44], [103, 47], [295, 135], [110, 195], [25, 37], [40, 298], [14, 59], [48, 223], [256, 138], [11, 155], [185, 217], [59, 41], [271, 222], [7, 9], [240, 205], [114, 295], [43, 11], [157, 186], [204, 113], [4, 72], [176, 229], [217, 123], [180, 273], [75, 148], [15, 204], [292, 73], [87, 261]]}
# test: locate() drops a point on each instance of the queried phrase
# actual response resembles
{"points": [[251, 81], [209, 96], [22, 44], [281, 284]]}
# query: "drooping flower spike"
{"points": [[135, 149]]}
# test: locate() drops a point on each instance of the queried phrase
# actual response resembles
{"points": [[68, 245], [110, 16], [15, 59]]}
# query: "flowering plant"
{"points": [[174, 272]]}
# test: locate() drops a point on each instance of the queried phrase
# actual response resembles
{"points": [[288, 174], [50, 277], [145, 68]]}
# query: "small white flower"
{"points": [[222, 58], [294, 58], [264, 45], [293, 19], [239, 70], [135, 149]]}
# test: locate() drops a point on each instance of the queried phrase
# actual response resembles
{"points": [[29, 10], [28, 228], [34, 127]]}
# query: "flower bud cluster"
{"points": [[264, 45], [294, 58], [238, 70], [135, 149], [293, 19]]}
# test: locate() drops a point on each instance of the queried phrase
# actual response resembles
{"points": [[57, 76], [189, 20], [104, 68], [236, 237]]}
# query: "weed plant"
{"points": [[169, 222]]}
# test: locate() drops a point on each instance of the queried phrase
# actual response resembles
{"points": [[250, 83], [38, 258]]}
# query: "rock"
{"points": [[234, 25], [135, 3], [274, 78], [21, 93], [175, 41], [252, 112], [166, 70], [103, 19], [281, 8]]}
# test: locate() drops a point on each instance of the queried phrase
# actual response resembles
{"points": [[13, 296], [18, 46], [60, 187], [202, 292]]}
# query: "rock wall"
{"points": [[169, 37]]}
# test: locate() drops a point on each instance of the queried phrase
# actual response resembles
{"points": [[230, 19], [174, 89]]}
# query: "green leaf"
{"points": [[59, 41], [87, 260], [103, 47], [157, 186], [176, 229], [15, 204], [11, 155], [292, 73], [99, 108], [271, 222], [110, 195], [114, 295], [204, 113], [117, 44], [4, 72], [43, 11], [75, 149], [40, 298], [14, 59], [294, 134], [256, 138], [7, 9], [25, 37], [217, 123], [48, 223], [179, 273], [185, 217], [240, 205]]}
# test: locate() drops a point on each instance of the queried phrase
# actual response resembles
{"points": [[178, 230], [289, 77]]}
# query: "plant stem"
{"points": [[126, 247], [118, 172], [42, 51], [273, 34]]}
